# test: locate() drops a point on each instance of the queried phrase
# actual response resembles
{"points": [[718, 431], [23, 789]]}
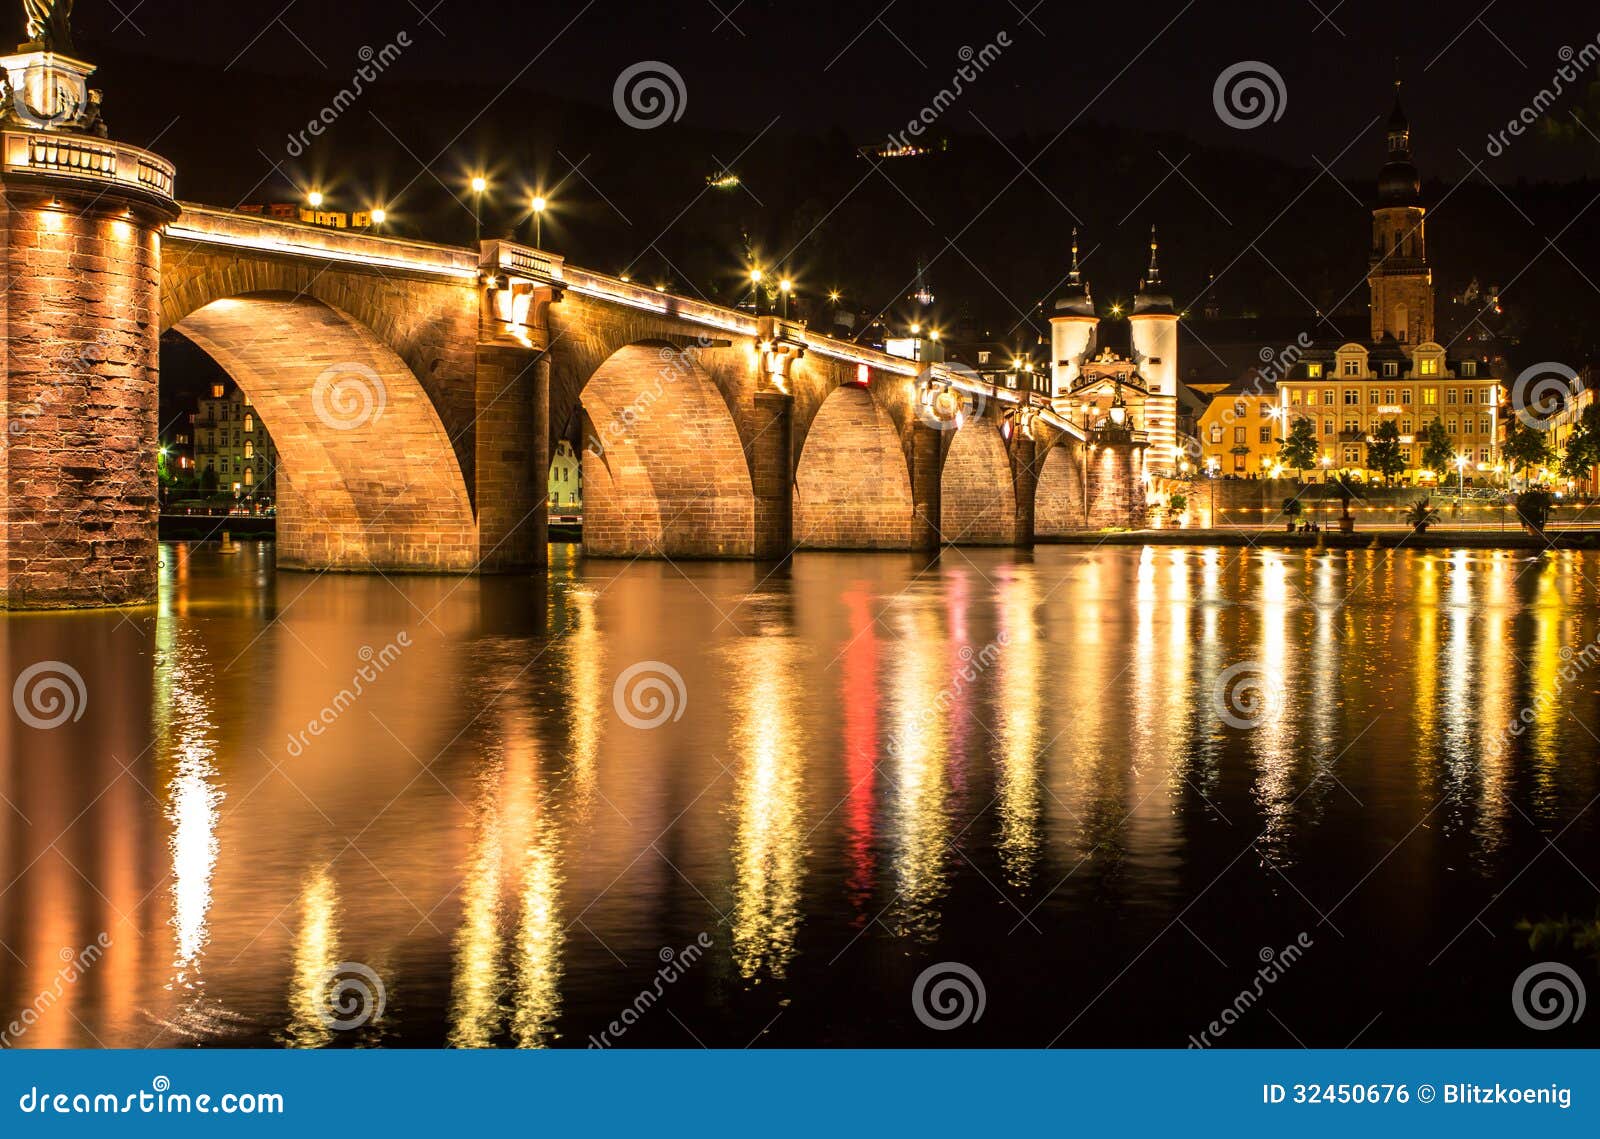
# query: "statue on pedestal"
{"points": [[49, 24]]}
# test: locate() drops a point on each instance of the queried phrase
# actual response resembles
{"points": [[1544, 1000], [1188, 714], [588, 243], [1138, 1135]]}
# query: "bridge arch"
{"points": [[368, 478], [1059, 504], [977, 493], [852, 485], [664, 469]]}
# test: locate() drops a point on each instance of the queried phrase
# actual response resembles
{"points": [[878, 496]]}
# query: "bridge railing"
{"points": [[87, 159]]}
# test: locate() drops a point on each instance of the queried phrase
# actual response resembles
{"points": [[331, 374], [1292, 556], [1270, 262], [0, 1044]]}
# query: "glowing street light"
{"points": [[756, 277], [314, 199], [379, 215], [479, 185], [785, 287], [539, 203]]}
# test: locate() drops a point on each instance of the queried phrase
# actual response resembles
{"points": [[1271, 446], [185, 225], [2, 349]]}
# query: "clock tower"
{"points": [[1401, 280]]}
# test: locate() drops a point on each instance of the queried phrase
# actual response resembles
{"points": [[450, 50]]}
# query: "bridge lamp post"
{"points": [[755, 290], [479, 185], [314, 199], [539, 203], [785, 287], [379, 216]]}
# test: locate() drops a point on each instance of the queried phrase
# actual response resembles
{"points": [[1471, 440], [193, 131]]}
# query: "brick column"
{"points": [[926, 446], [772, 481], [1025, 482], [78, 393], [1116, 486], [512, 458]]}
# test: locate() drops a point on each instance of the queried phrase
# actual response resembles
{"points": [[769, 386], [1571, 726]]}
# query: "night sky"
{"points": [[867, 67], [1100, 116]]}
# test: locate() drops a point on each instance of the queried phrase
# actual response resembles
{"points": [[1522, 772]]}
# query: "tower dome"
{"points": [[1399, 184]]}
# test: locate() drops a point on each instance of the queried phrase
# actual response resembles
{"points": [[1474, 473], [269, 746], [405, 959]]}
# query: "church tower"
{"points": [[1154, 336], [1402, 282], [1072, 329]]}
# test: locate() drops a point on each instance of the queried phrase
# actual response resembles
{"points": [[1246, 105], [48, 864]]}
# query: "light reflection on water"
{"points": [[1011, 760]]}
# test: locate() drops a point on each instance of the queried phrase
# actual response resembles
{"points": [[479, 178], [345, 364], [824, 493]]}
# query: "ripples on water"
{"points": [[1020, 762]]}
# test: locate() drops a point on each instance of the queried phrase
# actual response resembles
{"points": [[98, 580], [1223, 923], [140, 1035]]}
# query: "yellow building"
{"points": [[1347, 389], [1238, 430]]}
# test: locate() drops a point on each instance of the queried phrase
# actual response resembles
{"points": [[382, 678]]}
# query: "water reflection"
{"points": [[767, 847], [881, 762]]}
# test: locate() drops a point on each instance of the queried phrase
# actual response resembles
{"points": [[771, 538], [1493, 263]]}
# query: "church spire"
{"points": [[1075, 277], [1153, 276]]}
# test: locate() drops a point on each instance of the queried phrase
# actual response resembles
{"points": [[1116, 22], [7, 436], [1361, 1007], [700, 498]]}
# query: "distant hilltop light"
{"points": [[899, 150], [722, 180]]}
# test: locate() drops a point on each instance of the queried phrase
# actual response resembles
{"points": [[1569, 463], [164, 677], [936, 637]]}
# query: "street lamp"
{"points": [[479, 185], [539, 203], [755, 289], [1327, 461], [1461, 481], [314, 199], [785, 287], [379, 216]]}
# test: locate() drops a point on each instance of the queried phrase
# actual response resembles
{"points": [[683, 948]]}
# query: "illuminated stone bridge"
{"points": [[415, 392]]}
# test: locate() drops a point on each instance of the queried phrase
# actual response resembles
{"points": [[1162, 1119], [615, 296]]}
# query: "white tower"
{"points": [[1154, 335], [1072, 332]]}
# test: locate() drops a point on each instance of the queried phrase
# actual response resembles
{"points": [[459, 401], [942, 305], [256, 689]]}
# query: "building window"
{"points": [[1327, 397], [216, 391], [1294, 397], [1391, 368], [1469, 368], [983, 357], [1216, 432], [1405, 426], [1240, 410], [1483, 425], [1352, 456], [249, 449], [1352, 367], [1428, 367], [1314, 371], [1405, 455], [1449, 395], [1430, 397], [1327, 427], [1483, 454], [1238, 436], [1466, 395], [249, 423], [1352, 397], [1266, 433]]}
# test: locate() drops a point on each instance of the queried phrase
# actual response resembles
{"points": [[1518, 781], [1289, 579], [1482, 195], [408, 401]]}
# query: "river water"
{"points": [[1085, 796]]}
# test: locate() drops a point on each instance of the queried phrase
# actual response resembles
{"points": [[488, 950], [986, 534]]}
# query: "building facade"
{"points": [[566, 480], [231, 442]]}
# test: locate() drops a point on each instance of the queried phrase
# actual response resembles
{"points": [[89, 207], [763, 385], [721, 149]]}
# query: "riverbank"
{"points": [[1396, 538]]}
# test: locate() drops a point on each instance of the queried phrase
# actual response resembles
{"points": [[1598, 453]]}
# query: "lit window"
{"points": [[249, 422], [1314, 371], [1428, 367], [1430, 396], [216, 391]]}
